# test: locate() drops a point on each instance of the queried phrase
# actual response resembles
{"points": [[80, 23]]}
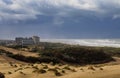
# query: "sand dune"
{"points": [[16, 69], [25, 70], [107, 72]]}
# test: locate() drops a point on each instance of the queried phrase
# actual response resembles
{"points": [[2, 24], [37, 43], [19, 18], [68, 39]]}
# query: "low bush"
{"points": [[58, 73], [40, 71], [2, 75], [78, 55]]}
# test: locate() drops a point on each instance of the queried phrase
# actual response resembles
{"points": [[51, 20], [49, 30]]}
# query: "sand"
{"points": [[17, 69]]}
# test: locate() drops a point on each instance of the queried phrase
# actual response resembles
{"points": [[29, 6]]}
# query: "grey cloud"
{"points": [[29, 9]]}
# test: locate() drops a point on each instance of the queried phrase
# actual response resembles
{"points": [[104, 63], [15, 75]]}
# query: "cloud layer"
{"points": [[18, 10]]}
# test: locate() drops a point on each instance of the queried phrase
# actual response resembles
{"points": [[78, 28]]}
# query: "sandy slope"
{"points": [[107, 72], [24, 70]]}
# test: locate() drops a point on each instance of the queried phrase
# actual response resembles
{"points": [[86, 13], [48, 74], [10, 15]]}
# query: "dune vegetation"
{"points": [[63, 53]]}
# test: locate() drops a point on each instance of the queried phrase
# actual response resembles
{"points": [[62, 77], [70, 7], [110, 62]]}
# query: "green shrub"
{"points": [[63, 71], [58, 73], [67, 68], [40, 71], [2, 75], [9, 72]]}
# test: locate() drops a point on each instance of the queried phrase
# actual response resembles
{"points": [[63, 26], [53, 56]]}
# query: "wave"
{"points": [[87, 42]]}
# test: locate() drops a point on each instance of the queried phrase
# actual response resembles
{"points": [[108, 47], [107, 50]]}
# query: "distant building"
{"points": [[36, 39], [6, 42], [19, 40], [27, 41]]}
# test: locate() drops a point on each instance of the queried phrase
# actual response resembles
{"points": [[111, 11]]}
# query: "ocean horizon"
{"points": [[87, 42]]}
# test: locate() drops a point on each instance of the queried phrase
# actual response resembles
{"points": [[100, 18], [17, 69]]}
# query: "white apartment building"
{"points": [[27, 41]]}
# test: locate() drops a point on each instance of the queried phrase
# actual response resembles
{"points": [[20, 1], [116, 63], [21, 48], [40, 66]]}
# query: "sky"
{"points": [[68, 19]]}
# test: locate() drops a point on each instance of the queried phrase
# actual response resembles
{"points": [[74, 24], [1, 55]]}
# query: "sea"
{"points": [[87, 42]]}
